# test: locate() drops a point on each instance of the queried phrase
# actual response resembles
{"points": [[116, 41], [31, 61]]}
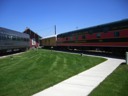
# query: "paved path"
{"points": [[11, 54], [83, 83]]}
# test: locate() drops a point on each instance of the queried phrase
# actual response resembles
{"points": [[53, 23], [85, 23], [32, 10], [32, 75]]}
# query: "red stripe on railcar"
{"points": [[108, 44]]}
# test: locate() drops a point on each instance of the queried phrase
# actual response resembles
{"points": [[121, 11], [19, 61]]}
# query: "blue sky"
{"points": [[67, 15]]}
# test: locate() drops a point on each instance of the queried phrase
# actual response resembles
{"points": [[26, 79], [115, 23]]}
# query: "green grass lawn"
{"points": [[114, 85], [33, 71]]}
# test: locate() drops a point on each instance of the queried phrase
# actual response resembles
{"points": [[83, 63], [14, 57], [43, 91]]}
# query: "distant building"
{"points": [[34, 38]]}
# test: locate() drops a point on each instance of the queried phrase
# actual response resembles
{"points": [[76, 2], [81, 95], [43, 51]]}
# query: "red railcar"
{"points": [[108, 37]]}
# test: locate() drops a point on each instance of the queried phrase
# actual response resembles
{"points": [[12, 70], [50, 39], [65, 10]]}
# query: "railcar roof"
{"points": [[13, 32], [93, 27], [49, 36], [29, 31]]}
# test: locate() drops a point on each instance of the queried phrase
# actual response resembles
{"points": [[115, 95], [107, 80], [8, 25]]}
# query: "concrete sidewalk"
{"points": [[83, 83], [11, 55]]}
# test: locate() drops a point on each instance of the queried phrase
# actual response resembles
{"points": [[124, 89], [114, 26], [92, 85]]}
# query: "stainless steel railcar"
{"points": [[11, 40]]}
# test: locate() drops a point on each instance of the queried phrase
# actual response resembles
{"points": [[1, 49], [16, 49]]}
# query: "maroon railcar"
{"points": [[108, 37]]}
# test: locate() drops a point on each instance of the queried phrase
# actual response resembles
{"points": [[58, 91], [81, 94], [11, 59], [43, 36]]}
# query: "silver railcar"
{"points": [[13, 40]]}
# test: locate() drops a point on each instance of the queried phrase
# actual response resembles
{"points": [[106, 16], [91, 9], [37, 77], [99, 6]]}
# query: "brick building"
{"points": [[34, 38]]}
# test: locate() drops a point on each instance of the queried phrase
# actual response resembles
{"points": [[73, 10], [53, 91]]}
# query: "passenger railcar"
{"points": [[49, 42], [11, 40], [108, 37]]}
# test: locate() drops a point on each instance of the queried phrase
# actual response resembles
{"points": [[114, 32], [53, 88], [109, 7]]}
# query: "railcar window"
{"points": [[115, 28], [83, 37], [116, 34], [13, 38], [21, 39], [44, 41], [90, 31], [71, 38], [66, 38], [18, 39], [76, 36], [8, 37], [123, 27], [49, 41], [106, 29], [4, 36], [0, 37], [98, 35], [27, 39]]}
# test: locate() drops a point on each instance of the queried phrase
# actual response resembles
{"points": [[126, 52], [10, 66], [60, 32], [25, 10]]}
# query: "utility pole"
{"points": [[55, 29], [127, 58]]}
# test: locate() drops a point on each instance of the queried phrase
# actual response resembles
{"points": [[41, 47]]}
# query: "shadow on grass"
{"points": [[124, 63]]}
